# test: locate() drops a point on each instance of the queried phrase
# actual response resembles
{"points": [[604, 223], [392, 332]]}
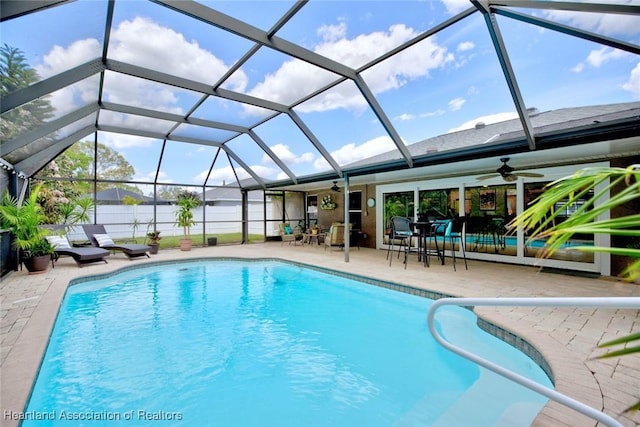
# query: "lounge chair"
{"points": [[288, 234], [97, 235], [81, 255]]}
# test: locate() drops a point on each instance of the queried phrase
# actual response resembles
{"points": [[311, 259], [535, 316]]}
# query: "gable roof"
{"points": [[116, 195]]}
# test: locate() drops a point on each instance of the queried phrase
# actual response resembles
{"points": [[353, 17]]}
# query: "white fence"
{"points": [[119, 220]]}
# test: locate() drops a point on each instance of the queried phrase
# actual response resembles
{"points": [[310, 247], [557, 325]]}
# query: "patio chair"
{"points": [[335, 236], [288, 235], [81, 255], [97, 235], [400, 230]]}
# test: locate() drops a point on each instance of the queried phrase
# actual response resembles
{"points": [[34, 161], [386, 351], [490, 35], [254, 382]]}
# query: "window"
{"points": [[355, 210], [564, 210]]}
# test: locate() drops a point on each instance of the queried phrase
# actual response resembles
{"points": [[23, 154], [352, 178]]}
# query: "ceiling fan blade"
{"points": [[483, 177], [529, 174]]}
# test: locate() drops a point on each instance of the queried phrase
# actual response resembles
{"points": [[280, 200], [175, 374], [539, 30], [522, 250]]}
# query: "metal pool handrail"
{"points": [[631, 302]]}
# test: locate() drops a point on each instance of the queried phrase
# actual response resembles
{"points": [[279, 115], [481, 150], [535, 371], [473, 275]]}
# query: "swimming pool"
{"points": [[267, 343]]}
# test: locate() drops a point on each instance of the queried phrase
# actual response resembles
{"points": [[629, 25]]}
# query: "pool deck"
{"points": [[566, 337]]}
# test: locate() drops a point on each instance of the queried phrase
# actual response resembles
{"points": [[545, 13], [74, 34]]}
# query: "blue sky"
{"points": [[445, 83]]}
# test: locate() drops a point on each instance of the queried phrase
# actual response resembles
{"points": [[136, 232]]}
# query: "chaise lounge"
{"points": [[97, 235], [81, 255]]}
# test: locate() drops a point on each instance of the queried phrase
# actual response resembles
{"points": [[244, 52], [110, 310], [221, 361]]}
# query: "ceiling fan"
{"points": [[335, 187], [507, 173]]}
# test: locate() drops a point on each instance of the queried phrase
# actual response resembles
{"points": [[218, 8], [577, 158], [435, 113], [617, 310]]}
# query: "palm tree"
{"points": [[540, 218], [15, 74]]}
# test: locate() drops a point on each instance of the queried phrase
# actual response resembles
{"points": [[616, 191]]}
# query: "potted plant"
{"points": [[36, 259], [154, 241], [186, 202], [23, 220]]}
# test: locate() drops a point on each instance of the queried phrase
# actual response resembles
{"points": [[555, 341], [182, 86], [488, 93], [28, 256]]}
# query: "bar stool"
{"points": [[401, 230], [438, 229], [456, 231]]}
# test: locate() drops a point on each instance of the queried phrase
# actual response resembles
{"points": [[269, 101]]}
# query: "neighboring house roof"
{"points": [[231, 192], [115, 195]]}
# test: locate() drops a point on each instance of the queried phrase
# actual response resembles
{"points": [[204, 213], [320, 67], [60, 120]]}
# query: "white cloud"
{"points": [[144, 42], [151, 176], [405, 117], [122, 89], [464, 49], [350, 153], [411, 64], [599, 57], [456, 104], [456, 6], [121, 141], [492, 118], [633, 85], [602, 23], [64, 100], [287, 156], [296, 78], [603, 55], [331, 33], [290, 82], [225, 175], [464, 46], [282, 175], [60, 59], [438, 112]]}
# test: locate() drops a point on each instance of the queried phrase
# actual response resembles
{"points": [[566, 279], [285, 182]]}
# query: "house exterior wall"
{"points": [[600, 263]]}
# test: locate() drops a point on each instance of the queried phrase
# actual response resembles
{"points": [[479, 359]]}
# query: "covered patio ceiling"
{"points": [[297, 94]]}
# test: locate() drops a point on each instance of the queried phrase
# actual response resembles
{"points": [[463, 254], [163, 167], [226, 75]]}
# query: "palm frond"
{"points": [[623, 352], [622, 340]]}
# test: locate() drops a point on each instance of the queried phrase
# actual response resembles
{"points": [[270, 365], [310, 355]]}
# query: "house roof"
{"points": [[543, 123], [232, 193], [116, 194]]}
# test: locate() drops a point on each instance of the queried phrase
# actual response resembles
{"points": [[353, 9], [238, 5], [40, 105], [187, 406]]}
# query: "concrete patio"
{"points": [[566, 337]]}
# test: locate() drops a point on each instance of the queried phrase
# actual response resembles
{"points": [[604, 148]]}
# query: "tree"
{"points": [[16, 74], [78, 162], [168, 192]]}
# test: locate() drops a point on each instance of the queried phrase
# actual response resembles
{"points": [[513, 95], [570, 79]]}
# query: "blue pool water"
{"points": [[264, 343]]}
